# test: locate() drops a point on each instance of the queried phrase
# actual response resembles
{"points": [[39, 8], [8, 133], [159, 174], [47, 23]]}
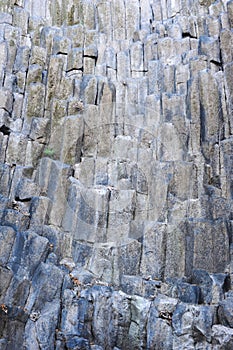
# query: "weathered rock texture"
{"points": [[116, 176]]}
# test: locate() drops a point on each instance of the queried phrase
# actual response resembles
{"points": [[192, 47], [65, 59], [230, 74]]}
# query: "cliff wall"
{"points": [[116, 175]]}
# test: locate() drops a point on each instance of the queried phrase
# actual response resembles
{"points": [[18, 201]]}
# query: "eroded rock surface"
{"points": [[116, 175]]}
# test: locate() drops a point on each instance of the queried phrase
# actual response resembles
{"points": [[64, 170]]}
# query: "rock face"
{"points": [[116, 174]]}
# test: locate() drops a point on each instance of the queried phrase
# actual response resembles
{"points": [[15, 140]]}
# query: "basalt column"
{"points": [[116, 174]]}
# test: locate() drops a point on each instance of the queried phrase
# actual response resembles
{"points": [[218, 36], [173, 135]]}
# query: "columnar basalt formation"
{"points": [[116, 174]]}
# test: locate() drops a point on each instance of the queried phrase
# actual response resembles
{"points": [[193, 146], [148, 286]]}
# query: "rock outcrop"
{"points": [[116, 174]]}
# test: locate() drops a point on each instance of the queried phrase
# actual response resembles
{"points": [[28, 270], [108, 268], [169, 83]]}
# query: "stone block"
{"points": [[226, 40], [188, 293], [17, 107], [89, 66], [22, 59], [6, 100], [230, 12], [39, 130], [60, 242], [173, 8], [123, 65], [81, 253], [6, 276], [89, 89], [89, 13], [35, 329], [46, 283], [75, 59], [225, 312], [127, 257], [192, 26], [216, 9], [38, 56], [34, 152], [157, 190], [175, 251], [212, 257], [214, 26], [54, 77], [35, 25], [65, 89], [197, 63], [156, 77], [224, 20], [124, 147], [203, 319], [101, 172], [103, 299], [14, 219], [153, 251], [7, 237], [136, 56], [210, 106], [182, 76], [159, 333], [57, 191], [100, 263], [118, 19], [221, 284], [35, 100], [20, 82], [169, 79], [3, 146], [229, 92], [76, 32], [73, 129], [78, 342], [170, 51], [84, 171], [173, 105], [174, 31], [132, 16], [184, 182], [5, 18], [3, 54], [210, 47], [61, 45], [26, 189], [34, 74], [91, 213], [222, 336], [121, 208], [132, 285], [104, 18], [182, 320], [225, 156], [146, 15], [20, 19], [139, 314], [39, 210], [90, 48], [110, 57], [16, 149], [5, 175], [157, 10], [170, 147], [150, 49]]}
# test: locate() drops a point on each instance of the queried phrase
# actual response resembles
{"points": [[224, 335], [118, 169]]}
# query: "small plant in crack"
{"points": [[49, 152]]}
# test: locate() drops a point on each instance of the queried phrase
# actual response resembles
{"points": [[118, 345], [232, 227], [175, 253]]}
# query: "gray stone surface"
{"points": [[225, 312], [116, 140]]}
